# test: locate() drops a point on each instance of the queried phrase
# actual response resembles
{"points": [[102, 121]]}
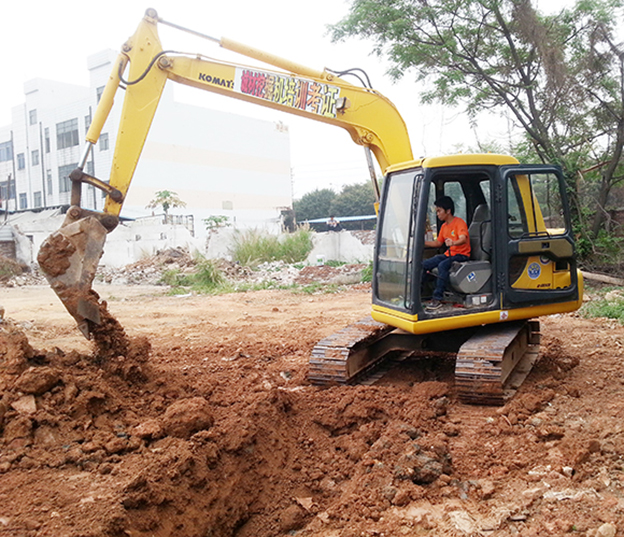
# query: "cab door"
{"points": [[537, 263]]}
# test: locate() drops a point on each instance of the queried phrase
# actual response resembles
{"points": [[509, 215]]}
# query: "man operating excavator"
{"points": [[454, 235]]}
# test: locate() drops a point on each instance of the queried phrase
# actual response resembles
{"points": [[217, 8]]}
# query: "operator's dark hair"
{"points": [[446, 203]]}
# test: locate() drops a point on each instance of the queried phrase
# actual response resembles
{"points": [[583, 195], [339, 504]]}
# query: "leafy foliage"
{"points": [[559, 76], [354, 200], [9, 268], [315, 204], [216, 221], [206, 278], [367, 273], [252, 247], [609, 305], [167, 200]]}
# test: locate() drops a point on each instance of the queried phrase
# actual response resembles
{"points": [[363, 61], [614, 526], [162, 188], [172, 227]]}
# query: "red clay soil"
{"points": [[207, 427]]}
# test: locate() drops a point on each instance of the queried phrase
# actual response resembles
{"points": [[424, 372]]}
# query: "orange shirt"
{"points": [[453, 231]]}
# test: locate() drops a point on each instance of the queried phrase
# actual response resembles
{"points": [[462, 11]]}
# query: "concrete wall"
{"points": [[339, 246], [343, 246], [134, 240], [128, 243]]}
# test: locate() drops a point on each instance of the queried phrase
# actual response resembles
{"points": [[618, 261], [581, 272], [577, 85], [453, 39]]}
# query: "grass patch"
{"points": [[252, 247], [609, 303], [206, 278], [367, 273], [334, 263], [9, 268]]}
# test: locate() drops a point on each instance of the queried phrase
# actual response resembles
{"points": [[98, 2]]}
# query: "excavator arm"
{"points": [[69, 257]]}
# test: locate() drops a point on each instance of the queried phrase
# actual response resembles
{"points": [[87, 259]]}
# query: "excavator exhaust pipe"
{"points": [[69, 259]]}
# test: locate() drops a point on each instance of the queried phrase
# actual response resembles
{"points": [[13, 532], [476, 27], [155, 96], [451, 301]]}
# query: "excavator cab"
{"points": [[522, 265], [522, 250]]}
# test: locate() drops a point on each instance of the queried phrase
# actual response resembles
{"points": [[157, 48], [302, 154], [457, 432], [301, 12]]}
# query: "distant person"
{"points": [[454, 235], [333, 224]]}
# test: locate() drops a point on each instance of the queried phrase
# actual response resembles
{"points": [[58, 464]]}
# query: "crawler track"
{"points": [[492, 361], [346, 355]]}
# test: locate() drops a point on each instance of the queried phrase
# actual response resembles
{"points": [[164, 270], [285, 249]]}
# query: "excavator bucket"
{"points": [[69, 259]]}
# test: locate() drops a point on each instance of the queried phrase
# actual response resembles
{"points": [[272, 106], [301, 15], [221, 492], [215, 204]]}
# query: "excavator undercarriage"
{"points": [[492, 361]]}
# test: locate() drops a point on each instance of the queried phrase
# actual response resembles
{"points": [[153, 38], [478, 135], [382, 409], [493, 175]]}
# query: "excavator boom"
{"points": [[69, 257]]}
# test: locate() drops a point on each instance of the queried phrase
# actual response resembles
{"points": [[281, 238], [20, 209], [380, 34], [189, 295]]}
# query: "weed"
{"points": [[609, 304], [253, 247], [318, 288], [367, 273], [9, 268], [206, 278], [216, 221]]}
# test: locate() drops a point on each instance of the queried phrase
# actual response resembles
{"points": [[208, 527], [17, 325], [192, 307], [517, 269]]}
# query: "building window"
{"points": [[23, 201], [6, 151], [7, 190], [49, 181], [37, 200], [64, 180], [32, 117], [21, 161], [67, 134], [99, 92], [34, 157], [47, 139], [87, 122], [104, 141]]}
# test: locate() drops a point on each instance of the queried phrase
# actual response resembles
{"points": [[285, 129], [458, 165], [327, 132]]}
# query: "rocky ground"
{"points": [[207, 426], [150, 271]]}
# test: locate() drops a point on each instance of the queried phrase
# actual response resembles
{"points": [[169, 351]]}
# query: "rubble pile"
{"points": [[150, 271]]}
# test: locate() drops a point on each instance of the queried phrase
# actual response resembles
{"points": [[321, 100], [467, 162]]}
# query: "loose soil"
{"points": [[207, 427]]}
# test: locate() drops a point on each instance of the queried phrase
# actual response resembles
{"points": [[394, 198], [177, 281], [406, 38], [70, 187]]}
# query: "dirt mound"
{"points": [[213, 430]]}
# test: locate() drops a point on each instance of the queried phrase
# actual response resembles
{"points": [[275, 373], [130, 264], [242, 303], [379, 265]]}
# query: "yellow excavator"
{"points": [[522, 263]]}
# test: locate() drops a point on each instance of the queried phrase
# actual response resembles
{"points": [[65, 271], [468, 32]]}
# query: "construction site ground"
{"points": [[208, 427]]}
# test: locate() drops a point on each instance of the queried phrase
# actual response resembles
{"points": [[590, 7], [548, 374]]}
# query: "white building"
{"points": [[218, 163]]}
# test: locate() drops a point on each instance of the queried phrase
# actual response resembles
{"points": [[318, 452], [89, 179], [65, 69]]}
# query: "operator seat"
{"points": [[474, 276]]}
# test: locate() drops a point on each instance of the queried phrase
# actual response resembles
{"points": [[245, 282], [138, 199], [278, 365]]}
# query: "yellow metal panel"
{"points": [[489, 159], [429, 326], [106, 100], [138, 110]]}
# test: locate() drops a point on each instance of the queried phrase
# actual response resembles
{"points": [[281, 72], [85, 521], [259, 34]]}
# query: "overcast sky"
{"points": [[52, 39]]}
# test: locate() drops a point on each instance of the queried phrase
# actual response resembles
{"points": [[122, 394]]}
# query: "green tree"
{"points": [[167, 200], [559, 76], [354, 200], [601, 75], [315, 204]]}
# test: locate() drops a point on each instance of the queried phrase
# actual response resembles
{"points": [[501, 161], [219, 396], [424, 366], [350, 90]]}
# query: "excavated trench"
{"points": [[211, 428]]}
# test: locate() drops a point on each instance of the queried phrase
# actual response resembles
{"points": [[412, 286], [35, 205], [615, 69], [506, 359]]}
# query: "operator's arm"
{"points": [[463, 239], [433, 244]]}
